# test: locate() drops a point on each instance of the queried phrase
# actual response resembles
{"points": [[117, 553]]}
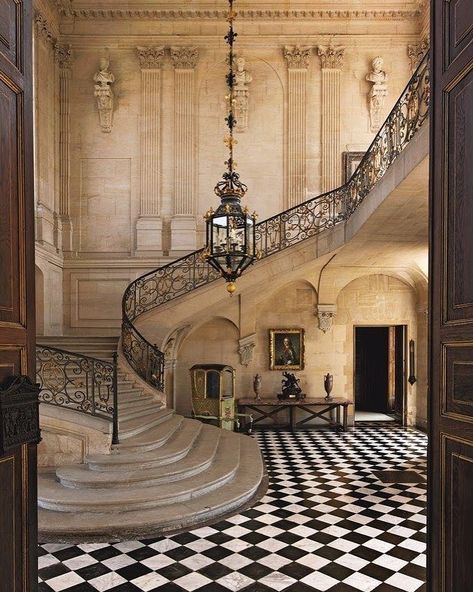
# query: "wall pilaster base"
{"points": [[149, 234], [183, 233]]}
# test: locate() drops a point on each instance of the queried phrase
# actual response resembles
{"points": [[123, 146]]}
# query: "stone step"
{"points": [[143, 411], [53, 496], [133, 427], [130, 394], [106, 526], [138, 402], [199, 459], [152, 438], [176, 448]]}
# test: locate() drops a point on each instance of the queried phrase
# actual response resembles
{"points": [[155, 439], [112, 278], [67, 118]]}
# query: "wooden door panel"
{"points": [[450, 525], [459, 239], [10, 222], [457, 458], [10, 29], [458, 19]]}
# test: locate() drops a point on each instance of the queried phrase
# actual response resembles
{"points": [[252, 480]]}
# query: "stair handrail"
{"points": [[278, 232], [79, 382]]}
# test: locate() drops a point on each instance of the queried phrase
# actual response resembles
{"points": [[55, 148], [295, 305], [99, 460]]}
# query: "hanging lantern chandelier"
{"points": [[230, 244]]}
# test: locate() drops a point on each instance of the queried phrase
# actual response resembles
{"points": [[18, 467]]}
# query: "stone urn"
{"points": [[257, 387], [328, 386]]}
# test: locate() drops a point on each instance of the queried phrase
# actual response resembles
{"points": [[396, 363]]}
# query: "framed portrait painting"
{"points": [[286, 349]]}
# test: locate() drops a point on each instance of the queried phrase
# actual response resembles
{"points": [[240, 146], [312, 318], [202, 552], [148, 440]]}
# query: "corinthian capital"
{"points": [[184, 58], [331, 56], [63, 55], [297, 57], [150, 57]]}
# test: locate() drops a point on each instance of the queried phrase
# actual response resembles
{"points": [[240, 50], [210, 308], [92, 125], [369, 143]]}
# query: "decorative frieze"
{"points": [[331, 56], [331, 61], [325, 314], [246, 349], [248, 14], [378, 93], [104, 94], [297, 59], [150, 57], [43, 29], [241, 94], [416, 53], [184, 58]]}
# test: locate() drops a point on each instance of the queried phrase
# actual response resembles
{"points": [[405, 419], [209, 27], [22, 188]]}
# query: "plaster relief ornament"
{"points": [[241, 94], [378, 92], [104, 94]]}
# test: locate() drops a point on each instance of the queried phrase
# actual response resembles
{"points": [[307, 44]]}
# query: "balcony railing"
{"points": [[279, 232], [78, 382]]}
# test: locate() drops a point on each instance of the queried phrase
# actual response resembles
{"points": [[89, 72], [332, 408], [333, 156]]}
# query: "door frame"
{"points": [[405, 369]]}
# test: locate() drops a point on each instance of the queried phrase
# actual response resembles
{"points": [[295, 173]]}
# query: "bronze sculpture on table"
{"points": [[290, 387]]}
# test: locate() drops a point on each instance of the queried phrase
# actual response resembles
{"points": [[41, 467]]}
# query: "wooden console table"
{"points": [[317, 407]]}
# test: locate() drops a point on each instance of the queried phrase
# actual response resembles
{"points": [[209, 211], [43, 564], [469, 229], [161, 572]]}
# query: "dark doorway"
{"points": [[380, 370]]}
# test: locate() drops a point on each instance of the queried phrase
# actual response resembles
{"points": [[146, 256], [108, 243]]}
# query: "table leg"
{"points": [[338, 414], [345, 417], [292, 418]]}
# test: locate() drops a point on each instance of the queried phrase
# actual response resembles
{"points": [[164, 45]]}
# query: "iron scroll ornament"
{"points": [[279, 232]]}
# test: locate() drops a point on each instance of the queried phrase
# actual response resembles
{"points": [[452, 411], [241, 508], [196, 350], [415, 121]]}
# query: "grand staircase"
{"points": [[167, 473]]}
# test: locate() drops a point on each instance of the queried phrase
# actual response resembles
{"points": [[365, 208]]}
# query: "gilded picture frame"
{"points": [[286, 349]]}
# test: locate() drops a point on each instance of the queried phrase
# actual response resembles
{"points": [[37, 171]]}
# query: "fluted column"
{"points": [[183, 223], [331, 58], [297, 59], [149, 226], [63, 56]]}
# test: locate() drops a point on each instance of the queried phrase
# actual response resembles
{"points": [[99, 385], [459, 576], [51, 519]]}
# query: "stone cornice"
{"points": [[150, 57], [249, 14]]}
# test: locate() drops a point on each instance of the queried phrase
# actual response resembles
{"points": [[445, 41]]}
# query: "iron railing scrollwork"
{"points": [[78, 382], [278, 232]]}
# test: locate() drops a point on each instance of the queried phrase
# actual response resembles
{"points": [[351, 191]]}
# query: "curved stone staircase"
{"points": [[167, 473]]}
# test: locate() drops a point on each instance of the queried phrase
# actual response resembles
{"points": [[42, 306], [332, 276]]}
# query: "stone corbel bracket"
{"points": [[325, 314], [246, 349]]}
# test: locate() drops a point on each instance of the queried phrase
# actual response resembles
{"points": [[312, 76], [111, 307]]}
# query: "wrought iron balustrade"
{"points": [[82, 383], [278, 232]]}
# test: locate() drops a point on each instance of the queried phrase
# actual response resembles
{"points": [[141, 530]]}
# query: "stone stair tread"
{"points": [[179, 445], [198, 459], [139, 402], [162, 519], [54, 496], [132, 427], [141, 411], [154, 437]]}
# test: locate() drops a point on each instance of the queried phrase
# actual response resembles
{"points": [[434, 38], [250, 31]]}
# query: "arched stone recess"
{"points": [[264, 134], [214, 341], [371, 300]]}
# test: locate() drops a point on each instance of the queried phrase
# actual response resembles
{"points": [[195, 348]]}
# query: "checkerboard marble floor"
{"points": [[326, 524]]}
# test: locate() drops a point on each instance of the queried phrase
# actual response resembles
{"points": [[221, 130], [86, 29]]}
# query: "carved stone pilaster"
{"points": [[184, 58], [149, 226], [325, 314], [246, 349], [183, 223], [241, 93], [297, 59], [416, 52], [63, 57], [331, 61]]}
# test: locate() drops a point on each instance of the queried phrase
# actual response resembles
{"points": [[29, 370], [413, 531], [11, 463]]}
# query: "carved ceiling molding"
{"points": [[250, 14], [43, 28]]}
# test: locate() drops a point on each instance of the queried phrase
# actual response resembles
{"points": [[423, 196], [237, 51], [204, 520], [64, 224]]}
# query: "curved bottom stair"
{"points": [[167, 474]]}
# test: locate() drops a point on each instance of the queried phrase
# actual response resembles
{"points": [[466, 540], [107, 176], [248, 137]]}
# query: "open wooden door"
{"points": [[19, 432], [451, 302]]}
